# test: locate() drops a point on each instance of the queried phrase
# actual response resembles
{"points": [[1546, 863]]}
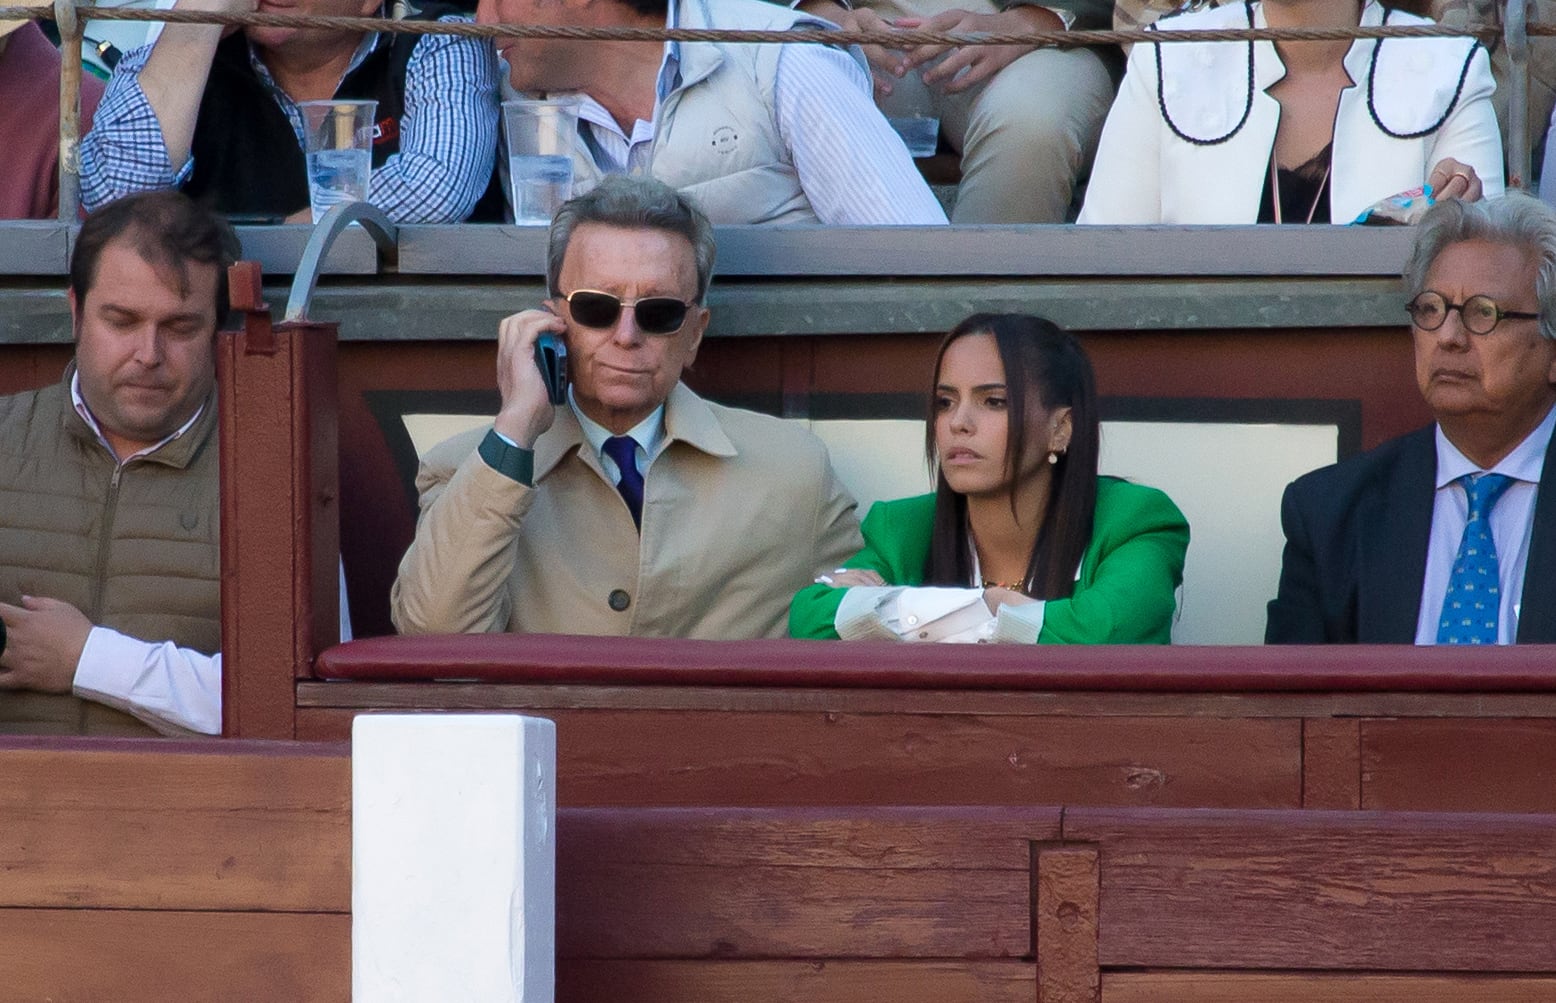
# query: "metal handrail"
{"points": [[385, 237]]}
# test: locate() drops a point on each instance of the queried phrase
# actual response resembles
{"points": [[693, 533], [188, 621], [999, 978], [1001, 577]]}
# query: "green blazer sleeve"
{"points": [[896, 544], [1130, 573], [1126, 592]]}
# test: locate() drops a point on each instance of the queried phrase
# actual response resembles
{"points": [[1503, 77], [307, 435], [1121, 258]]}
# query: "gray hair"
{"points": [[1515, 219], [633, 203]]}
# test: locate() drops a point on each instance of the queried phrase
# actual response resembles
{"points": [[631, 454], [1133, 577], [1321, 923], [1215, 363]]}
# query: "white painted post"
{"points": [[453, 880]]}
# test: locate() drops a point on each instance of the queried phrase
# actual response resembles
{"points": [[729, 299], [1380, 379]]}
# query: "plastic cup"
{"points": [[541, 136], [920, 134], [339, 150]]}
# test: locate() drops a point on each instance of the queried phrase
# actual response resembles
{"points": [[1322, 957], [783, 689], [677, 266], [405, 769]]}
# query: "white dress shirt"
{"points": [[1512, 525], [648, 433]]}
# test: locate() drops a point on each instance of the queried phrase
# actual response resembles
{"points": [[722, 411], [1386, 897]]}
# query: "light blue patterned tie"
{"points": [[1474, 589]]}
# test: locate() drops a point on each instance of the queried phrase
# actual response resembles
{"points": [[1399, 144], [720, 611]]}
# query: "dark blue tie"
{"points": [[624, 450], [1474, 599]]}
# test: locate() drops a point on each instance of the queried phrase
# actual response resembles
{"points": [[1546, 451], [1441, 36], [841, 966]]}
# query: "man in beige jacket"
{"points": [[636, 508]]}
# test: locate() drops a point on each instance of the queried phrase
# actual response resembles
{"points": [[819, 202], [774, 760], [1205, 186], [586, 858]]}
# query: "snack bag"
{"points": [[1397, 210]]}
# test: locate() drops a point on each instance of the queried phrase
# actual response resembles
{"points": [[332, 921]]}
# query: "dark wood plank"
{"points": [[1395, 892], [1331, 763], [762, 912], [133, 956], [280, 512], [817, 884], [331, 706], [1460, 765], [654, 757], [830, 758], [942, 838], [795, 981], [1067, 891], [1291, 987], [134, 827]]}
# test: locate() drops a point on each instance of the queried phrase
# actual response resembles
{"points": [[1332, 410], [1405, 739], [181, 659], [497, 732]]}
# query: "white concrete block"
{"points": [[453, 881]]}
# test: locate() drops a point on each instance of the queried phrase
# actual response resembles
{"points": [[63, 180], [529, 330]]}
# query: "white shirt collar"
{"points": [[649, 433], [91, 422], [1524, 463], [594, 113]]}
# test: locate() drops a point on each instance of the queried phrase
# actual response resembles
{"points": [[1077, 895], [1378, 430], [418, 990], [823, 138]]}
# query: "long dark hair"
{"points": [[1044, 361]]}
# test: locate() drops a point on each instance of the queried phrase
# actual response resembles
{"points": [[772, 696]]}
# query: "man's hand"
{"points": [[970, 65], [44, 638], [526, 405], [886, 65], [221, 7]]}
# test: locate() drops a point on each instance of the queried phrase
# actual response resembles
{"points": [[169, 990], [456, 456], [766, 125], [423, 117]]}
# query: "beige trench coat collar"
{"points": [[688, 419]]}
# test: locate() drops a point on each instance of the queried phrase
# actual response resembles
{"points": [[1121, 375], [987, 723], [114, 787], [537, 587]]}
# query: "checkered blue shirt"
{"points": [[448, 132]]}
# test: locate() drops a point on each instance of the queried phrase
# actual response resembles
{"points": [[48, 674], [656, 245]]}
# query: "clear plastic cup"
{"points": [[339, 150], [541, 136], [920, 134]]}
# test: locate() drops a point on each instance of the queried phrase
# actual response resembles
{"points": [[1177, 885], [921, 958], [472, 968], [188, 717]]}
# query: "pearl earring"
{"points": [[1053, 458]]}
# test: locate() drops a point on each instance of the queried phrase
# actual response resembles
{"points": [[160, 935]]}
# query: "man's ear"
{"points": [[696, 324], [75, 312]]}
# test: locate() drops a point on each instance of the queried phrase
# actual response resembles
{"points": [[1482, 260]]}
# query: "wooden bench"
{"points": [[140, 870]]}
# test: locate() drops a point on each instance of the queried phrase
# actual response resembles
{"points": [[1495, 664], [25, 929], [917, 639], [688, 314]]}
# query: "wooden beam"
{"points": [[1331, 763], [819, 884], [1361, 891], [1328, 987], [138, 956], [191, 826], [280, 515], [1460, 765], [804, 981], [1067, 910]]}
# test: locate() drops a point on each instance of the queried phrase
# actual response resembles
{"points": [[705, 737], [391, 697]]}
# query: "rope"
{"points": [[891, 39]]}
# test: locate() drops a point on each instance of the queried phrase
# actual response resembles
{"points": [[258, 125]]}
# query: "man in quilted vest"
{"points": [[773, 134], [109, 570]]}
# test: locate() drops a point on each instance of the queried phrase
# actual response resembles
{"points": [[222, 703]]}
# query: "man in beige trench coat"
{"points": [[636, 508]]}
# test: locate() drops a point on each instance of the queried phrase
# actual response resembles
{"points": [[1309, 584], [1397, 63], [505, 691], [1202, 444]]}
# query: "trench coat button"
{"points": [[619, 600]]}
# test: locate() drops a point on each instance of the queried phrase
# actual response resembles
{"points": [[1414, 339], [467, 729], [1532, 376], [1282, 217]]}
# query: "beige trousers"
{"points": [[1026, 137]]}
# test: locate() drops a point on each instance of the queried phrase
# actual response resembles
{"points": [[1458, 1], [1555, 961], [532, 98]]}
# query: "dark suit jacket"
{"points": [[1356, 539]]}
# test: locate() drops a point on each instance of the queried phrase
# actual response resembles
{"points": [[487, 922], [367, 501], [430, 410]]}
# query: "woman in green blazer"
{"points": [[1022, 540]]}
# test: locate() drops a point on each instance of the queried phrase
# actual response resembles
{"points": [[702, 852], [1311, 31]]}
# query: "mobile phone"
{"points": [[551, 360]]}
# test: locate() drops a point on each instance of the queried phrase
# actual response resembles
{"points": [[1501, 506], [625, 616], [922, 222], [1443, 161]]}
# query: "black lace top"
{"points": [[1303, 189]]}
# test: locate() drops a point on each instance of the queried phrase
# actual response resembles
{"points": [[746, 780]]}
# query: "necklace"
{"points": [[1275, 189], [1372, 108], [1020, 587]]}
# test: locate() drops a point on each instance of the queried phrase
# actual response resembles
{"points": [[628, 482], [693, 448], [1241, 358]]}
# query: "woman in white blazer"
{"points": [[1238, 132]]}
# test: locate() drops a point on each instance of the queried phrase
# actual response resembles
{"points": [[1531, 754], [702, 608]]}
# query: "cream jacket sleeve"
{"points": [[455, 577]]}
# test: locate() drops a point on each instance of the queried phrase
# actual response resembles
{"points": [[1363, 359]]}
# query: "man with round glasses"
{"points": [[1432, 537], [635, 507]]}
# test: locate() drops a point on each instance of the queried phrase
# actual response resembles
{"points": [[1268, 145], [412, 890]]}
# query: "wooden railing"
{"points": [[148, 871]]}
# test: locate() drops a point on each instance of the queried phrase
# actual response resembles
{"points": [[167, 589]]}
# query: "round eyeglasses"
{"points": [[1479, 314]]}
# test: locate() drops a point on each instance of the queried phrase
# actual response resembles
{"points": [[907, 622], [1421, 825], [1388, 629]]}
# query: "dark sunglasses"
{"points": [[653, 314]]}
